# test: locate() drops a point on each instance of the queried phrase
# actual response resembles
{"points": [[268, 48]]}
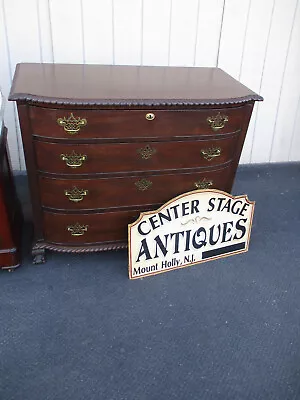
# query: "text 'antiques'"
{"points": [[192, 228]]}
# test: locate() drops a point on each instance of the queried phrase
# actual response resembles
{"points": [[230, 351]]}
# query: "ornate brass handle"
{"points": [[71, 124], [146, 152], [217, 122], [204, 184], [76, 195], [211, 153], [73, 160], [143, 184], [150, 116], [77, 229]]}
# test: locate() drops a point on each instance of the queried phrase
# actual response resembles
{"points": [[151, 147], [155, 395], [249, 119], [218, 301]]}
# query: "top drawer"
{"points": [[106, 124]]}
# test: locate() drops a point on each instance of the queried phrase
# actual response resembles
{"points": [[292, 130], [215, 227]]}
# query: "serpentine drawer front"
{"points": [[99, 152], [97, 228], [60, 158], [104, 193], [87, 124]]}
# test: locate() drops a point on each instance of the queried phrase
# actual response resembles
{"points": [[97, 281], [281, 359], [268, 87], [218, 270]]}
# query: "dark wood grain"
{"points": [[126, 85], [102, 227], [104, 124], [121, 192], [114, 100], [124, 157], [30, 160]]}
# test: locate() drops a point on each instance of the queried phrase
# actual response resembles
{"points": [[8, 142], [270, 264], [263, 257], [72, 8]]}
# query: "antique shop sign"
{"points": [[192, 228]]}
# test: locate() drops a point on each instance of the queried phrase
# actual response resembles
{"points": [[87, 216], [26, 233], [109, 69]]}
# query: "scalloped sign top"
{"points": [[192, 228]]}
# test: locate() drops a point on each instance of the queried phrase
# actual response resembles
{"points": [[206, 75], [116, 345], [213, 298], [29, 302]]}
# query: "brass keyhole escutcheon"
{"points": [[150, 116], [143, 184]]}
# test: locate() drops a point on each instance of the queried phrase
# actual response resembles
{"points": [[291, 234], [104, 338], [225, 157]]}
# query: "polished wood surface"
{"points": [[10, 211], [103, 143], [104, 84], [127, 157], [126, 191], [104, 124], [100, 227]]}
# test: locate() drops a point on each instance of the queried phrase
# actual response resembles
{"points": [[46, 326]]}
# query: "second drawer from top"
{"points": [[125, 157]]}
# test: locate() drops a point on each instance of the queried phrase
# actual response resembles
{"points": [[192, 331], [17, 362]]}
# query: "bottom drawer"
{"points": [[87, 228]]}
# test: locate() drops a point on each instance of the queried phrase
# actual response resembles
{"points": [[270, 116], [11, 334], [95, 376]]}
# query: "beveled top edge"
{"points": [[29, 98]]}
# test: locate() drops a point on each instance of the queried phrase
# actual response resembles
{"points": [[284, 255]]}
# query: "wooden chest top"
{"points": [[123, 86]]}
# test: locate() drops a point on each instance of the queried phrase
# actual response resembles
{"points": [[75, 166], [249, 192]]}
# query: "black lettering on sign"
{"points": [[159, 245], [236, 210], [212, 229], [226, 205], [162, 217], [226, 230], [140, 228], [244, 208], [144, 251], [187, 240], [185, 208], [174, 208], [211, 204], [220, 203], [194, 206], [176, 240], [241, 228], [202, 241], [154, 222]]}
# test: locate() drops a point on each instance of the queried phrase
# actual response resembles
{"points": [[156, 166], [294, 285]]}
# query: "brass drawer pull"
{"points": [[146, 152], [72, 125], [77, 229], [143, 184], [204, 184], [73, 160], [150, 116], [217, 122], [76, 195], [211, 153]]}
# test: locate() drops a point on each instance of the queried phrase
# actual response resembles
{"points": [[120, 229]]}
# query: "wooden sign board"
{"points": [[192, 228]]}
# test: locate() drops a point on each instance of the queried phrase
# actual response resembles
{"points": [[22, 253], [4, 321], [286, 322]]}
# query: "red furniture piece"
{"points": [[10, 210]]}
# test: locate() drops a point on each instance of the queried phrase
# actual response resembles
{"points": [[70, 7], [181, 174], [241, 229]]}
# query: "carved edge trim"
{"points": [[80, 249], [9, 267], [30, 98], [8, 251]]}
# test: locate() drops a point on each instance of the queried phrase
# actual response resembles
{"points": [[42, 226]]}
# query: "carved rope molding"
{"points": [[87, 249], [30, 98]]}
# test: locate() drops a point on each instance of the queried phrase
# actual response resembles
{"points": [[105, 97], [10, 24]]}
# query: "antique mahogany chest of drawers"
{"points": [[103, 143], [10, 210]]}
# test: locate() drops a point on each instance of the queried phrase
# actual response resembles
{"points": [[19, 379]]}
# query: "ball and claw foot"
{"points": [[38, 256]]}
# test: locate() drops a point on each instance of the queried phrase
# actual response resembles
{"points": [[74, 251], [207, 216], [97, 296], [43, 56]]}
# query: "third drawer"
{"points": [[125, 157], [103, 193]]}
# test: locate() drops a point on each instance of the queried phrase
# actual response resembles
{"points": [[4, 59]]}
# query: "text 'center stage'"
{"points": [[194, 227]]}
